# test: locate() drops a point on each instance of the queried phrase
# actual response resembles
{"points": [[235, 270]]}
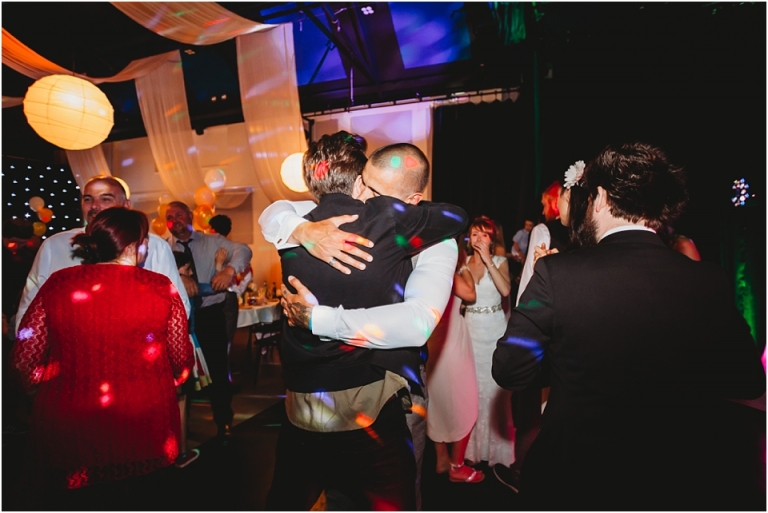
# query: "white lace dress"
{"points": [[493, 438]]}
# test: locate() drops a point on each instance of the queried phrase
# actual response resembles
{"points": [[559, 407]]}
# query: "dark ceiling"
{"points": [[400, 51]]}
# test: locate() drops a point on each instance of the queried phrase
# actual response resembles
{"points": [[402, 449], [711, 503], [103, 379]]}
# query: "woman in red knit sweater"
{"points": [[102, 348]]}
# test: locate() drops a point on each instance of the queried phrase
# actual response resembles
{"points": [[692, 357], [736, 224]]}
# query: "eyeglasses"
{"points": [[374, 191]]}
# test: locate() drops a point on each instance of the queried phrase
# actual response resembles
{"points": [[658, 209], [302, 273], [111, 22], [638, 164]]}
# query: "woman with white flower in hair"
{"points": [[564, 210]]}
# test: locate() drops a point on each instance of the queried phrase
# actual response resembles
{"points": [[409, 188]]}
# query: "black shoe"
{"points": [[507, 476], [224, 434]]}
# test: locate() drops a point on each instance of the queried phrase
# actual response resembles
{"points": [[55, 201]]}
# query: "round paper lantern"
{"points": [[165, 198], [36, 203], [292, 174], [215, 179], [45, 214], [68, 111], [200, 217], [204, 196], [159, 226], [38, 228]]}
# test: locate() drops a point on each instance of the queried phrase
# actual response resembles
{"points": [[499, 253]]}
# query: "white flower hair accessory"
{"points": [[574, 174]]}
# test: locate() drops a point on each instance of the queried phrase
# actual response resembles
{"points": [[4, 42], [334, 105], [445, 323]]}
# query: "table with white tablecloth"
{"points": [[260, 314]]}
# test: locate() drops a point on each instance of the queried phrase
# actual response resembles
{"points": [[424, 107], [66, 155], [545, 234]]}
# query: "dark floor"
{"points": [[237, 476]]}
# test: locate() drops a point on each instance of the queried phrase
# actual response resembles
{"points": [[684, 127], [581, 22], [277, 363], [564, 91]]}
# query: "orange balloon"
{"points": [[38, 228], [159, 226], [200, 217], [161, 210], [45, 214], [204, 196]]}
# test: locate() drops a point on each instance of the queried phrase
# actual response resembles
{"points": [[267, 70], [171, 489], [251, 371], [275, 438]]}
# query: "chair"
{"points": [[263, 336]]}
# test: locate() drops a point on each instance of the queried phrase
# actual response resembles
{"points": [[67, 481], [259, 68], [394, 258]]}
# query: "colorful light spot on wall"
{"points": [[79, 296]]}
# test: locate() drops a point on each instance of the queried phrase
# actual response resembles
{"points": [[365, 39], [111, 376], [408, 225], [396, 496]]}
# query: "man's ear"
{"points": [[601, 200], [127, 204], [414, 199], [358, 188]]}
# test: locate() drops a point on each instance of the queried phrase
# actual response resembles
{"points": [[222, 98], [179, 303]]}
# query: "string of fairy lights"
{"points": [[23, 180]]}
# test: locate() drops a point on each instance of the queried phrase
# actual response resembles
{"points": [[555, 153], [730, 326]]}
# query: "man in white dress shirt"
{"points": [[425, 296], [55, 253]]}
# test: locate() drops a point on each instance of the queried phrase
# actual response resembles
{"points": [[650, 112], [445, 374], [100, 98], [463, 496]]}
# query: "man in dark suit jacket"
{"points": [[643, 345], [346, 426]]}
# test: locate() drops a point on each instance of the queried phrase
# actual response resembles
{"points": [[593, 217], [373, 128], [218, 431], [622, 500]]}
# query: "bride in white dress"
{"points": [[493, 436]]}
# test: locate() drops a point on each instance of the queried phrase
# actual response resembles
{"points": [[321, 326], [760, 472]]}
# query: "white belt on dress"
{"points": [[484, 309]]}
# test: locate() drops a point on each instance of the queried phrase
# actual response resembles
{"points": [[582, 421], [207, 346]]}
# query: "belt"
{"points": [[484, 309]]}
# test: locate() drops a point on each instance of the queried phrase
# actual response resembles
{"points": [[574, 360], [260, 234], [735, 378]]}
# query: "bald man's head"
{"points": [[398, 170]]}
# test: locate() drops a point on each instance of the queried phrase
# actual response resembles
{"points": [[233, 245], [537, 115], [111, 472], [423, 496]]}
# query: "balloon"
{"points": [[38, 228], [165, 198], [159, 226], [215, 179], [36, 203], [161, 210], [45, 214], [204, 196], [200, 217]]}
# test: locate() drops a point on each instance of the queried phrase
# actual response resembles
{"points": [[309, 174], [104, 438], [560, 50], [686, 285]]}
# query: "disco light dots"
{"points": [[741, 190]]}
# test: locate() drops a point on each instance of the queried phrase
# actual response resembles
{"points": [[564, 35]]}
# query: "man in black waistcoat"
{"points": [[346, 426], [644, 346]]}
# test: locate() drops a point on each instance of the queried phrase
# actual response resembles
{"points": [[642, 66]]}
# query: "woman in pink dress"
{"points": [[100, 347], [452, 383]]}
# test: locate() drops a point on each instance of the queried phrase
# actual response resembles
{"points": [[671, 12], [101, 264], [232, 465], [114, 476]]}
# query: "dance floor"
{"points": [[237, 476]]}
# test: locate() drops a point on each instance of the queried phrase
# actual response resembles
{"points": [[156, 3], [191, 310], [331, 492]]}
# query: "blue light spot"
{"points": [[532, 346], [399, 207], [399, 289], [452, 215]]}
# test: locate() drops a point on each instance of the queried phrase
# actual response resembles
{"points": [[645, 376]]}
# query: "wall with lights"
{"points": [[25, 179]]}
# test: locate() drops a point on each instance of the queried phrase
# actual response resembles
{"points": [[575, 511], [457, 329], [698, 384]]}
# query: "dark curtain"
{"points": [[483, 161]]}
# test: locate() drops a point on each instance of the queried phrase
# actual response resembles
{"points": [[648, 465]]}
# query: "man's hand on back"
{"points": [[298, 307], [326, 242]]}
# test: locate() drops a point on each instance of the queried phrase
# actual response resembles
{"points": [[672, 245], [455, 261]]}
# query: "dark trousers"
{"points": [[373, 467], [211, 331]]}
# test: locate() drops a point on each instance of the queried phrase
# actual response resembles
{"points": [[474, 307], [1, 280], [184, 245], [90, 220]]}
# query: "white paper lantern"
{"points": [[68, 111], [291, 173]]}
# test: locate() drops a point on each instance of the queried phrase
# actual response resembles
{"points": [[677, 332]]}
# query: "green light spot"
{"points": [[289, 254], [401, 241], [395, 162]]}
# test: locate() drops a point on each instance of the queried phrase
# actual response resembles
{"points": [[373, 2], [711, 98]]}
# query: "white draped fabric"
{"points": [[270, 99], [163, 103], [194, 23], [21, 58], [88, 163]]}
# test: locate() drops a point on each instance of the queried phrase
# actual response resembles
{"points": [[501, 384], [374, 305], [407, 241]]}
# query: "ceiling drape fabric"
{"points": [[11, 101], [163, 104], [21, 58], [86, 164], [269, 94], [194, 23]]}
